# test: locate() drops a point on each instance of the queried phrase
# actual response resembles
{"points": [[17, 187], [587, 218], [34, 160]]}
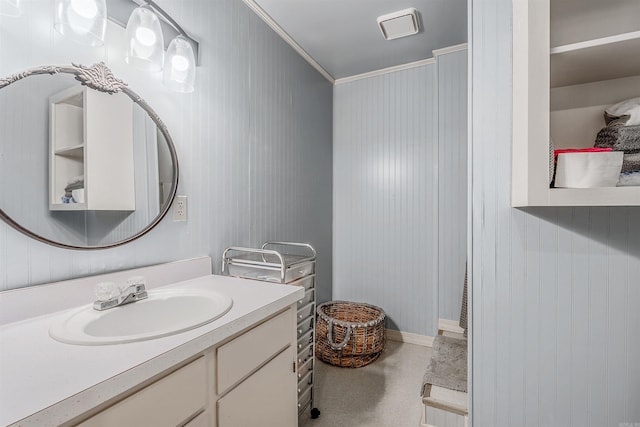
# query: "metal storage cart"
{"points": [[267, 264]]}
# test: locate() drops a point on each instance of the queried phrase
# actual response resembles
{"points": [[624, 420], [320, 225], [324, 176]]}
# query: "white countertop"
{"points": [[44, 382]]}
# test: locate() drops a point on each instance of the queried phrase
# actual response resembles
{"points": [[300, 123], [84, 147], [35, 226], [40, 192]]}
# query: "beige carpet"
{"points": [[383, 394]]}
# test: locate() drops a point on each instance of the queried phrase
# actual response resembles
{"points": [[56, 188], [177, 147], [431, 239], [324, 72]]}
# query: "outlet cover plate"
{"points": [[180, 208]]}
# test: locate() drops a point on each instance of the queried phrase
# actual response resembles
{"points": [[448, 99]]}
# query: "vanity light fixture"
{"points": [[145, 42], [145, 30], [84, 21], [145, 47], [10, 8], [179, 65]]}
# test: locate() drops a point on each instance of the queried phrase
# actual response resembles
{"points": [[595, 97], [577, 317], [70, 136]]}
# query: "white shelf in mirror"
{"points": [[73, 151], [91, 140], [70, 207]]}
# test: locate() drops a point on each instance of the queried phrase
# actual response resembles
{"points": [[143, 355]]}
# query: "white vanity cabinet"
{"points": [[571, 59], [91, 141], [249, 380]]}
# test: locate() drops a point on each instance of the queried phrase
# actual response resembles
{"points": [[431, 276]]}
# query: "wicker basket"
{"points": [[350, 335]]}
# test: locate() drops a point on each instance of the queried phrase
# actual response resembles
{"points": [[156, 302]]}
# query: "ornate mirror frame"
{"points": [[100, 78]]}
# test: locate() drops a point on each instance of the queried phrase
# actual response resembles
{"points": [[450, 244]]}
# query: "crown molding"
{"points": [[287, 38]]}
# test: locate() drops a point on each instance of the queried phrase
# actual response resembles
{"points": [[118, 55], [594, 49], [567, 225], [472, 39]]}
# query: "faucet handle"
{"points": [[106, 290], [137, 283], [136, 280]]}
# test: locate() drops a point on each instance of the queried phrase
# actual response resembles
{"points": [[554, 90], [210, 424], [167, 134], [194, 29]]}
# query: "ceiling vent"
{"points": [[399, 24]]}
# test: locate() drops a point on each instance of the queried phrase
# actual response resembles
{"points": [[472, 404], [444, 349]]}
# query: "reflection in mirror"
{"points": [[81, 168]]}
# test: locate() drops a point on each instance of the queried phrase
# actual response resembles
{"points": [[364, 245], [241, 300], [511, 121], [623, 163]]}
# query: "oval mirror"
{"points": [[85, 163]]}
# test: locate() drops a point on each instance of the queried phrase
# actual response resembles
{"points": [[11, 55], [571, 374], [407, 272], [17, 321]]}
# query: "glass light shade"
{"points": [[84, 21], [145, 43], [10, 8], [180, 66]]}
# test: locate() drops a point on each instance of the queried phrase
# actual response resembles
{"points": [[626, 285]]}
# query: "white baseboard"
{"points": [[410, 338], [450, 326]]}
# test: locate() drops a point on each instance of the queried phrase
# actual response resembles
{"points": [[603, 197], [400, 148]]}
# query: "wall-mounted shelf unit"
{"points": [[561, 92], [91, 143]]}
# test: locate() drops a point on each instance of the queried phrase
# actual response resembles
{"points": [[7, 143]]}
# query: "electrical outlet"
{"points": [[180, 208]]}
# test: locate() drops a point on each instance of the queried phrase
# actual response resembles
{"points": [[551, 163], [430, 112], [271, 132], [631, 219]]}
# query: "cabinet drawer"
{"points": [[305, 354], [304, 398], [306, 311], [307, 282], [305, 383], [238, 358], [309, 296], [168, 402], [305, 326], [305, 369], [305, 340]]}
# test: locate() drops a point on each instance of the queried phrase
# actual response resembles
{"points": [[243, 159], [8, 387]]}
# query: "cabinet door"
{"points": [[202, 420], [238, 358], [266, 398], [167, 402]]}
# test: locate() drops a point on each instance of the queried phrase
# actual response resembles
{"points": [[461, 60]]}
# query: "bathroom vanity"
{"points": [[238, 370]]}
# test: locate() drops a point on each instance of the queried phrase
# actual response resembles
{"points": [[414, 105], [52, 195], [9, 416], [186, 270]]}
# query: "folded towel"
{"points": [[74, 186], [619, 138], [631, 162], [629, 179], [76, 179], [628, 112]]}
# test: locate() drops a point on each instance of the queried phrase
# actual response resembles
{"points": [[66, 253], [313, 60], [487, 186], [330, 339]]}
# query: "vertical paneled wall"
{"points": [[452, 174], [253, 140], [556, 291], [386, 194]]}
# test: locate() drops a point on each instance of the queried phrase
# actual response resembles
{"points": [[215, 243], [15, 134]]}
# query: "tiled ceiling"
{"points": [[344, 38]]}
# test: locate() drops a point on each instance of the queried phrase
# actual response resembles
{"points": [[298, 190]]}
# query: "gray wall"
{"points": [[452, 187], [390, 133], [254, 143], [556, 325]]}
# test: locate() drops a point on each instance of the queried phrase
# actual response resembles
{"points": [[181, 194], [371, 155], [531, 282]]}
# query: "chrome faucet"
{"points": [[128, 295]]}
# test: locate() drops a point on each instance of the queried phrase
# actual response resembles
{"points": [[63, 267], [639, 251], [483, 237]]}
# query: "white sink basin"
{"points": [[165, 312]]}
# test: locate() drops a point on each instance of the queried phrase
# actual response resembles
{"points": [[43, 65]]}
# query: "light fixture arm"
{"points": [[169, 20], [118, 11], [165, 16]]}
